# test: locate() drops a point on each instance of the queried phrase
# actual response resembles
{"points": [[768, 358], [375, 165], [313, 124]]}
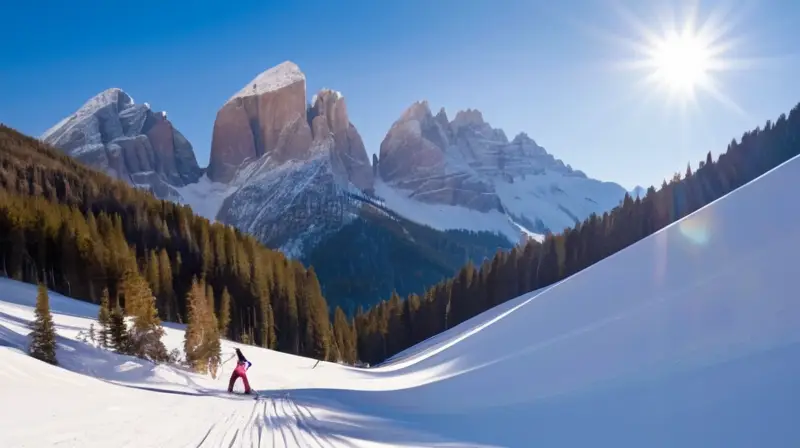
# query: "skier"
{"points": [[240, 372]]}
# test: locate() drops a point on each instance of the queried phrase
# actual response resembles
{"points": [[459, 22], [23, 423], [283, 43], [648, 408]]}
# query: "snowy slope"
{"points": [[558, 201], [532, 204], [205, 197], [97, 399], [447, 217], [690, 337]]}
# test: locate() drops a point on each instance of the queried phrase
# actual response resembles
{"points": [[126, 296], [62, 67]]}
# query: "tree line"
{"points": [[80, 233], [397, 324], [392, 253]]}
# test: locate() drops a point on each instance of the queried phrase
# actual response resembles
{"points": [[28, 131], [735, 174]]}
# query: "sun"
{"points": [[680, 56], [681, 61]]}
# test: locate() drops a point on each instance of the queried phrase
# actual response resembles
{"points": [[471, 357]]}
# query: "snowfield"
{"points": [[449, 217], [690, 337]]}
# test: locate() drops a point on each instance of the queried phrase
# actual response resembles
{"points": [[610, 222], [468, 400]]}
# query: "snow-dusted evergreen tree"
{"points": [[224, 312], [43, 337], [193, 337], [146, 332], [103, 318], [202, 339], [213, 348], [118, 331]]}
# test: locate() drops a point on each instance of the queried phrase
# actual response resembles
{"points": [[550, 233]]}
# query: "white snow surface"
{"points": [[277, 77], [690, 337], [546, 196], [446, 217], [205, 196], [89, 108]]}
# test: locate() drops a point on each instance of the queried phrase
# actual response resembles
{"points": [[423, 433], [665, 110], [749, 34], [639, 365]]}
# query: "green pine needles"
{"points": [[43, 336]]}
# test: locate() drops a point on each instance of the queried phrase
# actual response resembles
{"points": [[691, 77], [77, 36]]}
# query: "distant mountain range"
{"points": [[298, 177]]}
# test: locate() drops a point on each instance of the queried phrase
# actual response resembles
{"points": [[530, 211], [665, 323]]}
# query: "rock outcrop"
{"points": [[295, 167], [328, 116], [128, 141], [413, 157], [265, 118], [465, 162], [269, 120]]}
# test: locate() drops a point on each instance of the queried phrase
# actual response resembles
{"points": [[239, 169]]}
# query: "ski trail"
{"points": [[259, 423], [268, 422], [276, 421], [203, 440], [252, 430], [292, 428], [303, 420]]}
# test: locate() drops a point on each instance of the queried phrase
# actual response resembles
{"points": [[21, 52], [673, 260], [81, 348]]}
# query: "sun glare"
{"points": [[680, 56], [681, 61]]}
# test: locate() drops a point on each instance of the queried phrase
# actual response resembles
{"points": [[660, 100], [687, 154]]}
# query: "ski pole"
{"points": [[222, 366]]}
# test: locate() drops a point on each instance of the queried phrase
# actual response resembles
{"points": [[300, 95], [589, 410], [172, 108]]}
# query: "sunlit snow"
{"points": [[689, 338]]}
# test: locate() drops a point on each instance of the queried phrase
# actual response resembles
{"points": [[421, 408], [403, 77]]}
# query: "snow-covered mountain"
{"points": [[293, 170], [128, 141], [466, 163], [699, 349], [291, 173]]}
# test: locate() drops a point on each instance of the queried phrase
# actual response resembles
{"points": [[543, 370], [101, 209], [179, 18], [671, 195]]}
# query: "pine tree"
{"points": [[144, 338], [319, 322], [196, 305], [152, 272], [201, 340], [43, 337], [224, 312], [212, 347], [118, 331], [343, 337], [166, 289], [131, 291], [272, 337], [104, 319]]}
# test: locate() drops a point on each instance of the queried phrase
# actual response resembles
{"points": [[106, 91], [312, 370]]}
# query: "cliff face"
{"points": [[467, 163], [269, 120], [328, 117], [128, 141], [292, 167]]}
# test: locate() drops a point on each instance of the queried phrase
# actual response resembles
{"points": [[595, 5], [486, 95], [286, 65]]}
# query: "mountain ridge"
{"points": [[294, 173], [128, 141]]}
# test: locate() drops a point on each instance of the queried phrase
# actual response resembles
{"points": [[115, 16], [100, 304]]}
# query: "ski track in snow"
{"points": [[268, 422]]}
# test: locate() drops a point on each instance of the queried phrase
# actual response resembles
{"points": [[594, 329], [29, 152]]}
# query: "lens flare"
{"points": [[695, 229]]}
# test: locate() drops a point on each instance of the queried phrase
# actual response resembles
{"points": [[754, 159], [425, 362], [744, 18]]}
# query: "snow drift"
{"points": [[690, 337]]}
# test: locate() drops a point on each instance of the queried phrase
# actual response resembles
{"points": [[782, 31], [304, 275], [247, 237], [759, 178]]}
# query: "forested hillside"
{"points": [[397, 324], [378, 253], [79, 231]]}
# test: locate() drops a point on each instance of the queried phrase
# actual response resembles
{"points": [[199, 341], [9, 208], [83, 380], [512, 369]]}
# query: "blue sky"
{"points": [[546, 68]]}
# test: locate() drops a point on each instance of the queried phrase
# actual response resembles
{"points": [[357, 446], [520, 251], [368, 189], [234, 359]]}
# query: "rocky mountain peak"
{"points": [[282, 75], [129, 141], [419, 110], [468, 163], [469, 117], [269, 119], [328, 117], [523, 139]]}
